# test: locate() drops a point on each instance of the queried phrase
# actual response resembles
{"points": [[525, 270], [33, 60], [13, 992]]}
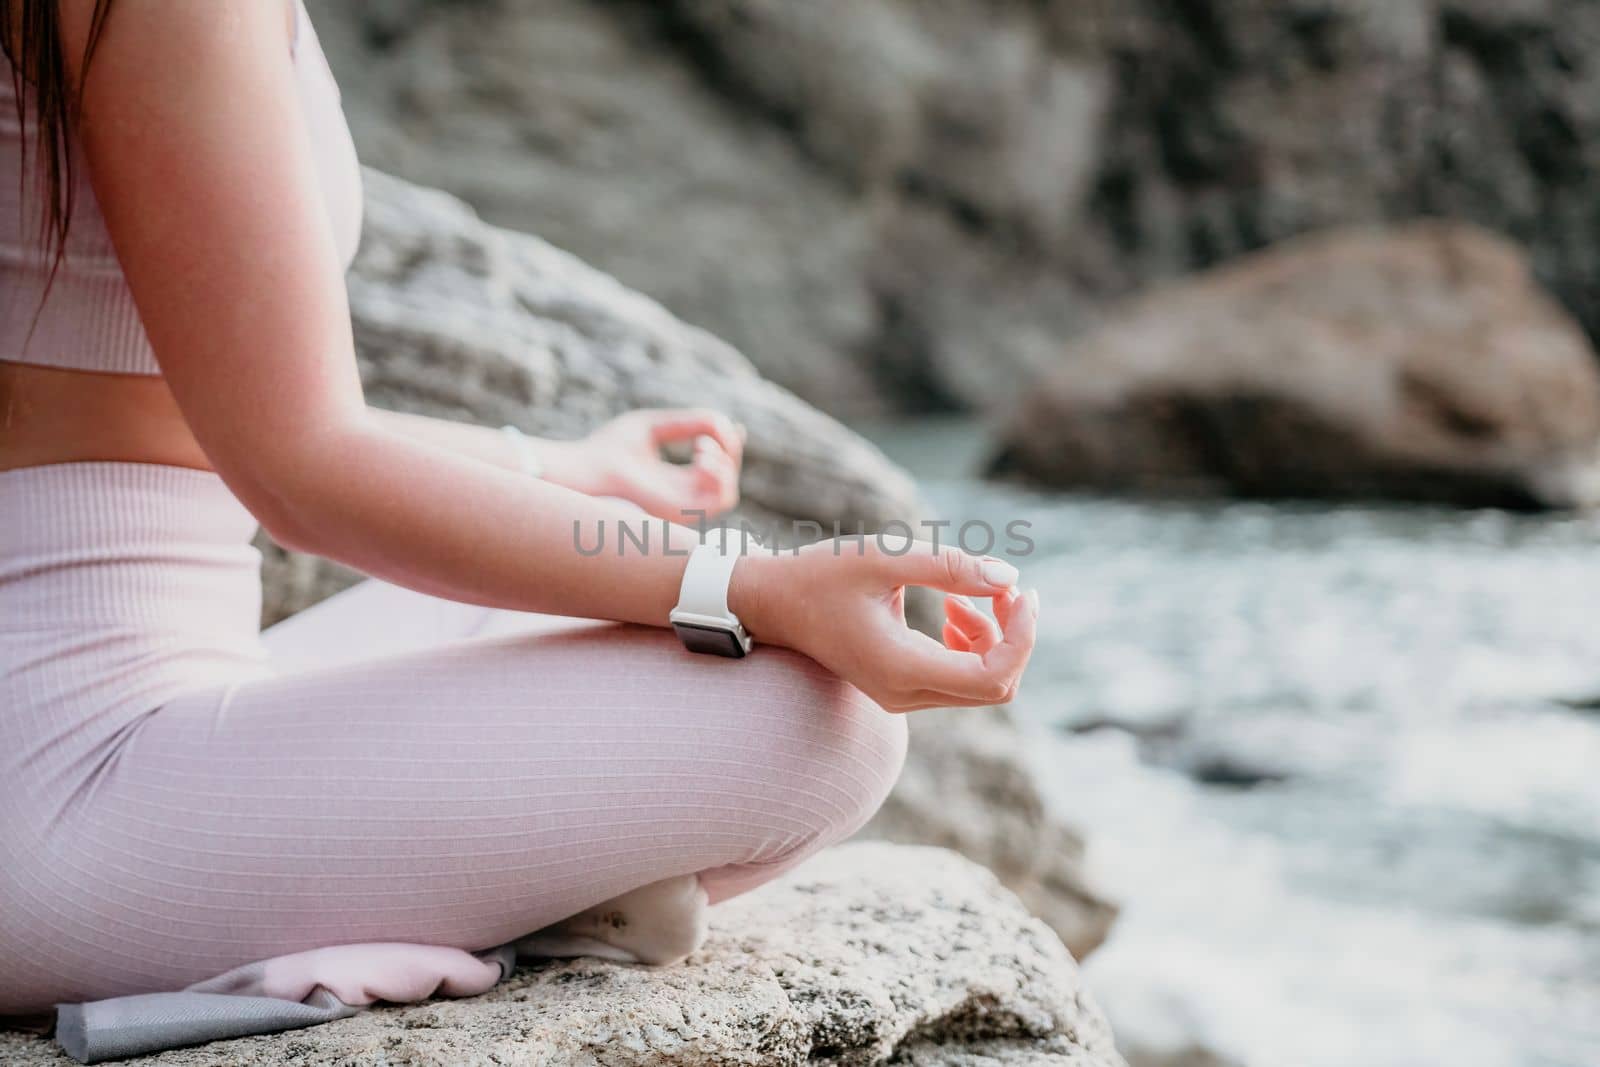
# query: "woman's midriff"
{"points": [[49, 415]]}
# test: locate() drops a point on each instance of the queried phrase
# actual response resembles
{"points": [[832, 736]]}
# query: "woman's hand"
{"points": [[623, 459], [843, 604]]}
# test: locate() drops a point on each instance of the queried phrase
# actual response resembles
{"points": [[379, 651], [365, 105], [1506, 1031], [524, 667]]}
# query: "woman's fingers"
{"points": [[716, 474], [981, 659], [709, 484], [920, 663], [927, 698], [931, 676], [965, 677], [668, 427], [907, 562], [978, 630], [1004, 605], [710, 455], [1010, 657], [955, 640]]}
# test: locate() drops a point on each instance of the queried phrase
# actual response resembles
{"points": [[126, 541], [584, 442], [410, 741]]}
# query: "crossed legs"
{"points": [[431, 774]]}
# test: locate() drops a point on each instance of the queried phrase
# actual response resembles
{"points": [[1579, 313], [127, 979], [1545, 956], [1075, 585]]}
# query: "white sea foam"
{"points": [[1415, 880], [1222, 946]]}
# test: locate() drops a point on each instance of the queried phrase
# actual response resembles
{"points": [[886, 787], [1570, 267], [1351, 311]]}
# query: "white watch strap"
{"points": [[705, 580]]}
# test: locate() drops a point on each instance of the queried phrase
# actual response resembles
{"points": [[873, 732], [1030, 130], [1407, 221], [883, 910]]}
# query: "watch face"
{"points": [[709, 639]]}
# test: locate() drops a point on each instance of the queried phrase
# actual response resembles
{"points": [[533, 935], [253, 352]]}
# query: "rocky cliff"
{"points": [[889, 202]]}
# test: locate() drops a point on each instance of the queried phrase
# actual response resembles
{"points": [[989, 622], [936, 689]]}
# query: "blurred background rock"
{"points": [[911, 205]]}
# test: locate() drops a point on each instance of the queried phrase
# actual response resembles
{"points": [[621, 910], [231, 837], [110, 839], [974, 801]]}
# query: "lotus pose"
{"points": [[497, 738]]}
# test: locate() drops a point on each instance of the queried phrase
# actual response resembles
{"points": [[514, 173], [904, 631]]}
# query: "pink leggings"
{"points": [[183, 795]]}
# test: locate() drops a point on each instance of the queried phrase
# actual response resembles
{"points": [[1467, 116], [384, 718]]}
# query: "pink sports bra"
{"points": [[88, 321]]}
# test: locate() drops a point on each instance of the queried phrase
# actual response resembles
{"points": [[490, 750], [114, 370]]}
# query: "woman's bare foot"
{"points": [[657, 924]]}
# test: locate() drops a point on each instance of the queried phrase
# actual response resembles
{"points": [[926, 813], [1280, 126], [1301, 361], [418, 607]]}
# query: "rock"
{"points": [[570, 119], [889, 202], [1188, 1056], [598, 126], [455, 316], [967, 786], [460, 319], [971, 140], [869, 954], [1418, 364]]}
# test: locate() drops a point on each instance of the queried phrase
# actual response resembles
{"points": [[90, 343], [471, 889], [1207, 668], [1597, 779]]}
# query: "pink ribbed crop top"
{"points": [[88, 321]]}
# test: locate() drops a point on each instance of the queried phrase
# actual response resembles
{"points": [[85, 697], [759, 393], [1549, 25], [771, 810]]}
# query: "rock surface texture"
{"points": [[870, 954], [968, 786], [1420, 364], [460, 319], [909, 203]]}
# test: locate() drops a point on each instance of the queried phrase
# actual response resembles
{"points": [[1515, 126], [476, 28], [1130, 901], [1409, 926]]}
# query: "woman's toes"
{"points": [[662, 922], [559, 943], [657, 924]]}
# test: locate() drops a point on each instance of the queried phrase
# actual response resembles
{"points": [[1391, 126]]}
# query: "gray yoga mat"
{"points": [[153, 1022]]}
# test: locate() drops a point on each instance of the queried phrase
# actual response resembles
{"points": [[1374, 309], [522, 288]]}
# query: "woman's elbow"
{"points": [[289, 485], [287, 535], [285, 524], [285, 494]]}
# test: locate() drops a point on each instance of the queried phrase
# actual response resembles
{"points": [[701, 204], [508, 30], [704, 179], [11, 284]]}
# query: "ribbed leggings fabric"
{"points": [[182, 794]]}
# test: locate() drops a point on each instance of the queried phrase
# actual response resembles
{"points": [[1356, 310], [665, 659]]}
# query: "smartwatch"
{"points": [[702, 620]]}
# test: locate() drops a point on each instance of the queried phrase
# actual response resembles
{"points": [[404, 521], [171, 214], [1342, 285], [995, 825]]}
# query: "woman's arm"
{"points": [[621, 459], [202, 165], [203, 168], [479, 442]]}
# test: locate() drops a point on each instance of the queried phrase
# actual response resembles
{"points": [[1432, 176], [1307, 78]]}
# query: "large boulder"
{"points": [[892, 201], [869, 954], [463, 320], [1421, 364]]}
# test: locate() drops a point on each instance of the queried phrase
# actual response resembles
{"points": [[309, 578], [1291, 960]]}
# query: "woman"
{"points": [[429, 764]]}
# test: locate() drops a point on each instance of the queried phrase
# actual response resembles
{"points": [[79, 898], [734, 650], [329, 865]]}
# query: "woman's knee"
{"points": [[844, 752]]}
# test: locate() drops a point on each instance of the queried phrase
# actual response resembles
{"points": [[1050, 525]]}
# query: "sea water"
{"points": [[1340, 764]]}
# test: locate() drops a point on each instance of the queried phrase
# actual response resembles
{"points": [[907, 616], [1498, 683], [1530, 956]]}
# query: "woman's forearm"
{"points": [[562, 462], [421, 515]]}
